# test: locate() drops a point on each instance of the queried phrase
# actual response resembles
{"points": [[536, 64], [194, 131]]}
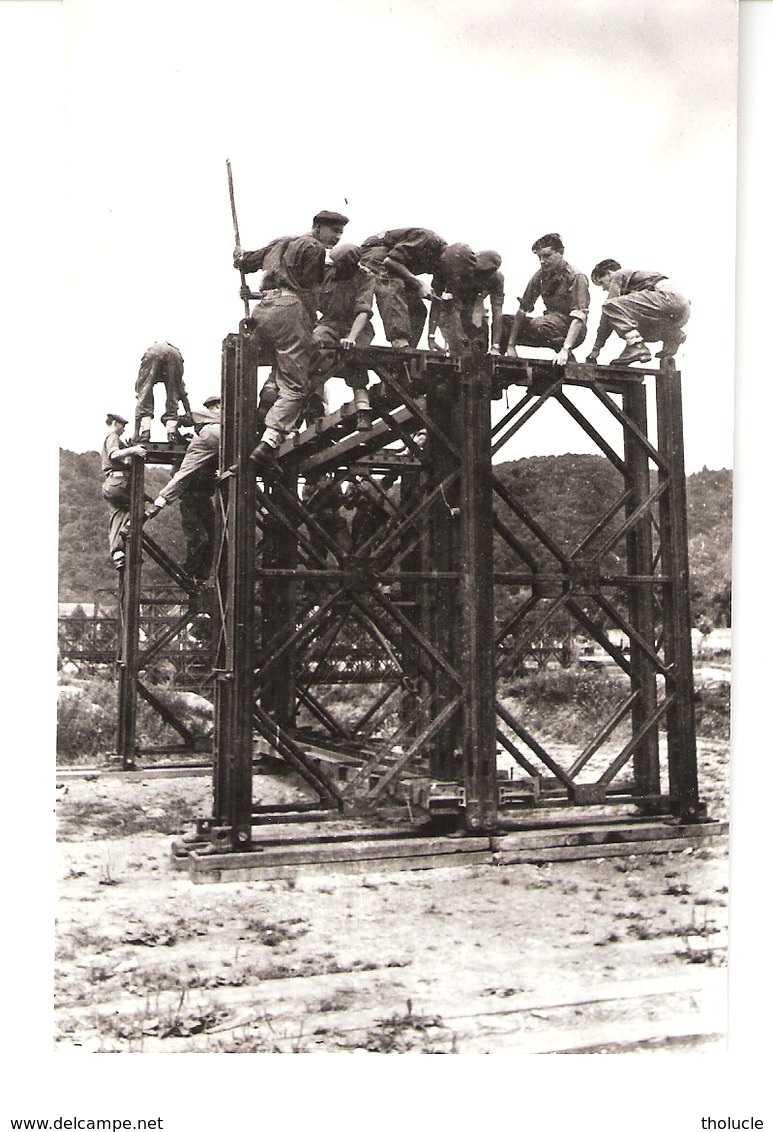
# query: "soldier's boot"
{"points": [[314, 410], [141, 429], [173, 434], [264, 458], [635, 350], [264, 455], [364, 415], [671, 344]]}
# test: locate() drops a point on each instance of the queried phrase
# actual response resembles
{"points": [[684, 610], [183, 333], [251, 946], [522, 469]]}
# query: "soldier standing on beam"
{"points": [[161, 363], [285, 315]]}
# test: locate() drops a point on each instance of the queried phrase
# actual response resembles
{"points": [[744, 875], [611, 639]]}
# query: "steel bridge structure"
{"points": [[170, 624], [375, 591], [373, 656]]}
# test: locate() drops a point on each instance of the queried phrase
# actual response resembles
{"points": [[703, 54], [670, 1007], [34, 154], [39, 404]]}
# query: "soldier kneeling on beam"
{"points": [[641, 306]]}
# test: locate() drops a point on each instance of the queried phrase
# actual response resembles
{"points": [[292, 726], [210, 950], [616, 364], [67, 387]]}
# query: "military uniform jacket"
{"points": [[625, 281], [199, 467], [341, 300], [418, 249], [294, 262], [112, 446], [563, 291]]}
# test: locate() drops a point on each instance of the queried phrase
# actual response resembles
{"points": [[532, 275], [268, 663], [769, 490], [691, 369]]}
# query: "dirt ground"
{"points": [[607, 955]]}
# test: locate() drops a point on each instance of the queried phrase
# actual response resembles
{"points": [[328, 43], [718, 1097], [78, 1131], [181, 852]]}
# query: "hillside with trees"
{"points": [[84, 563], [566, 494], [709, 526]]}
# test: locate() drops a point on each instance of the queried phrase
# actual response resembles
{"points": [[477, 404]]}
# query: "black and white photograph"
{"points": [[394, 382]]}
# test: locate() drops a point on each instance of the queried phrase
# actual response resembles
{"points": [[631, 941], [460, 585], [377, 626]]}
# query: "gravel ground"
{"points": [[606, 955]]}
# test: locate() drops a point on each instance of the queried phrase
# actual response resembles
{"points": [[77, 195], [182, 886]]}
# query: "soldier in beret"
{"points": [[116, 454], [293, 269]]}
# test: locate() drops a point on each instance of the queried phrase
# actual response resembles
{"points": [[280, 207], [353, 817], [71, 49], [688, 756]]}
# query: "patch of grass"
{"points": [[643, 931], [564, 705], [271, 934], [83, 940], [87, 721], [337, 1003], [569, 705], [712, 711], [677, 890], [141, 934], [613, 937], [695, 938], [101, 817], [172, 1022], [407, 1033]]}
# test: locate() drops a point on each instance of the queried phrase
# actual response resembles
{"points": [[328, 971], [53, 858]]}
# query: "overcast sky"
{"points": [[610, 121]]}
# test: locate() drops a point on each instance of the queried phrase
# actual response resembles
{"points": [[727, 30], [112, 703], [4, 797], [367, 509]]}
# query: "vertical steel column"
{"points": [[226, 459], [414, 711], [682, 753], [277, 602], [280, 610], [641, 598], [440, 599], [477, 592], [234, 700], [130, 590]]}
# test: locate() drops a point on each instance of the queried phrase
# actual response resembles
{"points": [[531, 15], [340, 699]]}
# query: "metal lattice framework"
{"points": [[155, 623], [375, 656]]}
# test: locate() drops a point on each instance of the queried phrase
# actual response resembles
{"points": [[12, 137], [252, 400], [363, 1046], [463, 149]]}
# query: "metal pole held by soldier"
{"points": [[236, 235]]}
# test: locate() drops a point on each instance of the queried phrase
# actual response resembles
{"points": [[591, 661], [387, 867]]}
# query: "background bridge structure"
{"points": [[375, 656]]}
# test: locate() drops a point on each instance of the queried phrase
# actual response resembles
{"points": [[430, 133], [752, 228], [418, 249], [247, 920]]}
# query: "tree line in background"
{"points": [[567, 494]]}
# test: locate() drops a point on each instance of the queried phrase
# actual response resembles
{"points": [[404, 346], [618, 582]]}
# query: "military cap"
{"points": [[117, 417], [346, 255], [601, 269], [550, 240], [213, 400], [488, 260], [458, 259], [327, 217]]}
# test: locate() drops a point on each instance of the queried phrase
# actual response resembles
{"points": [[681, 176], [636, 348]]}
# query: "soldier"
{"points": [[161, 363], [346, 306], [323, 497], [397, 258], [372, 505], [566, 297], [116, 454], [461, 313], [194, 484], [641, 306], [293, 268]]}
